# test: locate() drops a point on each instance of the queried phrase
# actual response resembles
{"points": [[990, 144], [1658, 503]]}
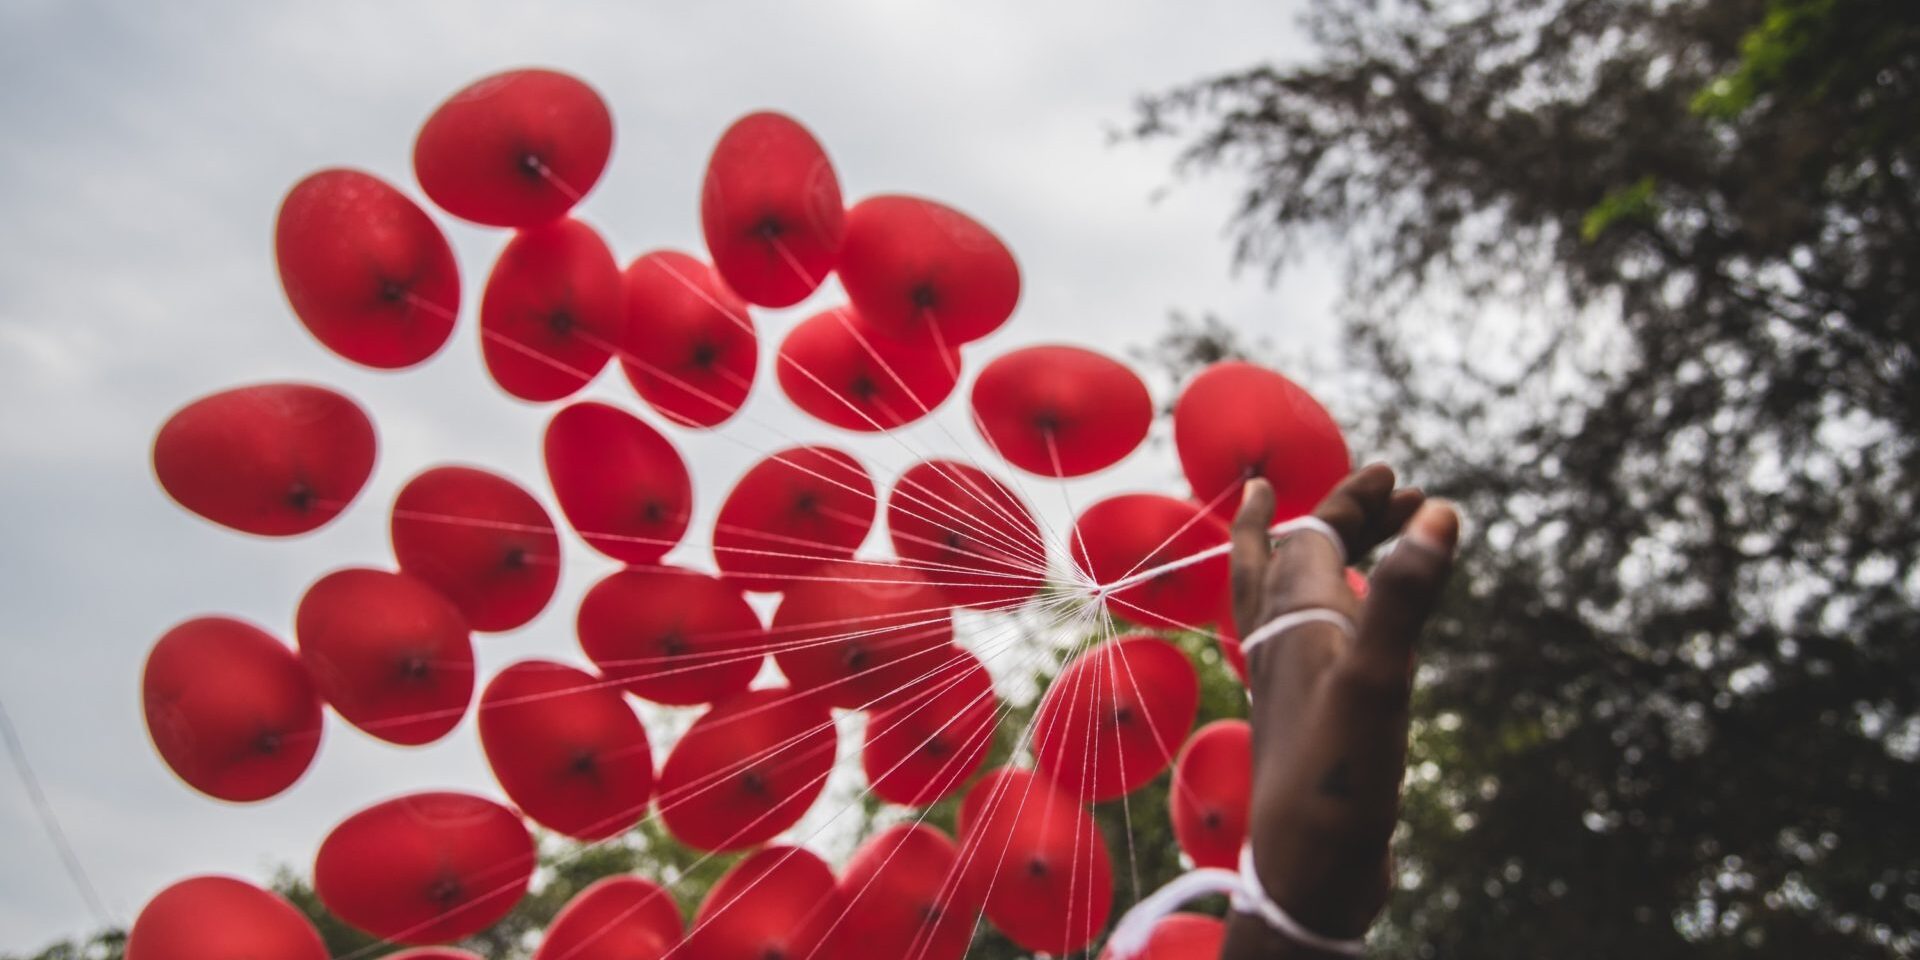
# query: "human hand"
{"points": [[1329, 709]]}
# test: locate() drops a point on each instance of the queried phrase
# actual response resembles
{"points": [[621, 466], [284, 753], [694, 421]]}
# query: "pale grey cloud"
{"points": [[147, 147]]}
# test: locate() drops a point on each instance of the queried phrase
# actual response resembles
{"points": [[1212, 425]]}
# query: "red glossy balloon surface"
{"points": [[1237, 420], [1135, 533], [689, 347], [275, 459], [230, 709], [1115, 716], [904, 899], [791, 512], [1061, 411], [617, 918], [777, 902], [620, 483], [673, 636], [388, 652], [967, 533], [567, 748], [365, 269], [862, 634], [922, 748], [482, 541], [1040, 858], [747, 769], [434, 953], [426, 867], [924, 271], [1212, 784], [554, 310], [771, 210], [516, 149], [848, 374], [1181, 936], [221, 918]]}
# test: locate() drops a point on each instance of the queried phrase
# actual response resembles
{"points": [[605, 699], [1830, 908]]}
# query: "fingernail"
{"points": [[1435, 528], [1246, 489]]}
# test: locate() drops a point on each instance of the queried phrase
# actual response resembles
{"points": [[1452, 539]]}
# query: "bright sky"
{"points": [[147, 148]]}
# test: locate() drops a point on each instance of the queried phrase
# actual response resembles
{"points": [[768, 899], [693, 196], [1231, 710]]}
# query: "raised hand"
{"points": [[1329, 707]]}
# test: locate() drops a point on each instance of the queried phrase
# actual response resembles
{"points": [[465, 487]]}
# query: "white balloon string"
{"points": [[1281, 529], [940, 348], [999, 711], [1198, 515], [586, 847]]}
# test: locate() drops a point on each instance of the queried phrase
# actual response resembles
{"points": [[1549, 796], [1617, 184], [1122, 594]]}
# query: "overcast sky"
{"points": [[147, 146]]}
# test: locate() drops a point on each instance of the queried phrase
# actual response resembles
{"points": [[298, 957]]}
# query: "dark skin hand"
{"points": [[1329, 712]]}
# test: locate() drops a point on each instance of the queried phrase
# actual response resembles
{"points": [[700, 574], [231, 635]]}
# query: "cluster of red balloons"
{"points": [[237, 714]]}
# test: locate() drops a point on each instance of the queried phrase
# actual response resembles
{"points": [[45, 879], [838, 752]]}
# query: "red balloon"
{"points": [[230, 709], [388, 653], [516, 149], [1357, 582], [904, 899], [1212, 784], [777, 902], [673, 636], [1061, 411], [921, 749], [861, 634], [689, 346], [1131, 534], [1040, 858], [621, 484], [365, 269], [1236, 421], [1115, 716], [554, 310], [567, 749], [791, 512], [426, 867], [275, 459], [848, 374], [434, 953], [771, 210], [1181, 936], [922, 270], [617, 918], [747, 769], [967, 533], [221, 918], [482, 541]]}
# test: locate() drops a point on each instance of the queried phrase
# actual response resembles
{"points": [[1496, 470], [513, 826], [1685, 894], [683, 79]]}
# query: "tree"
{"points": [[1637, 282]]}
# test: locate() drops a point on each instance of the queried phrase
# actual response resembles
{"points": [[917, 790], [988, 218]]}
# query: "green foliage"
{"points": [[1633, 202], [1671, 705], [1790, 37]]}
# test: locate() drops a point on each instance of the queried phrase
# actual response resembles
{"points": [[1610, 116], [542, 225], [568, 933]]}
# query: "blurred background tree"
{"points": [[1637, 282]]}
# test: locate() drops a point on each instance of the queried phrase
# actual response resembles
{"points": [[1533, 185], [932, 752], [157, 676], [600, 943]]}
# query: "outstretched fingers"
{"points": [[1366, 508], [1403, 590], [1251, 551]]}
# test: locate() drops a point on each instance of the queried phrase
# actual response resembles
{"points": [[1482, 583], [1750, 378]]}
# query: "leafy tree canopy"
{"points": [[1638, 282]]}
